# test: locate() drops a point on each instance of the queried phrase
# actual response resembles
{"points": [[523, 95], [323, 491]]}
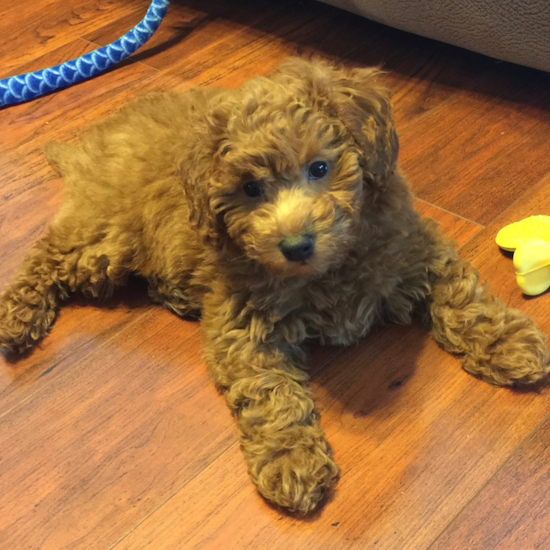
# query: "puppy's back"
{"points": [[133, 147]]}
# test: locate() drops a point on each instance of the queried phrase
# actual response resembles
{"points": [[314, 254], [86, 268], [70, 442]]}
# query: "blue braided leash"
{"points": [[20, 88]]}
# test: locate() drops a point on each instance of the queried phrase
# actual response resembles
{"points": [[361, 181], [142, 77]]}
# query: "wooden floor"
{"points": [[111, 435]]}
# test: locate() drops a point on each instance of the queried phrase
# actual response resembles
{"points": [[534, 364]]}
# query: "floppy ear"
{"points": [[359, 101], [197, 174]]}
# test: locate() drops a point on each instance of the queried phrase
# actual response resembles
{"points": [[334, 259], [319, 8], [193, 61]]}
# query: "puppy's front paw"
{"points": [[518, 357], [296, 479]]}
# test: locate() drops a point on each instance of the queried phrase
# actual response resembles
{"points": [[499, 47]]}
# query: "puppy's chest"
{"points": [[335, 312], [340, 314], [338, 309]]}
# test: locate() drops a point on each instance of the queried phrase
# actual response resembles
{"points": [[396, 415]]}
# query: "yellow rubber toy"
{"points": [[535, 227], [532, 264], [530, 239]]}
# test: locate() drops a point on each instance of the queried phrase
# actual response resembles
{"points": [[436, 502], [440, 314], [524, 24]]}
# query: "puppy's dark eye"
{"points": [[318, 170], [252, 189]]}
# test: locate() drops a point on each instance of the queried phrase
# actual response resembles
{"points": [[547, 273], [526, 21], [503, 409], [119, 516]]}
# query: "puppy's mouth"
{"points": [[299, 269], [284, 268]]}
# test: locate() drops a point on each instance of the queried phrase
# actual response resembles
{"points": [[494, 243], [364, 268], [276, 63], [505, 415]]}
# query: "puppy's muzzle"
{"points": [[298, 248]]}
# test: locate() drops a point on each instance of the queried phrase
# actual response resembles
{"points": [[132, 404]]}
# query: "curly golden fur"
{"points": [[160, 190]]}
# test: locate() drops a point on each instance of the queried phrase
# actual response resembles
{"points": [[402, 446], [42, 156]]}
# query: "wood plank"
{"points": [[478, 152], [422, 73], [82, 327], [511, 512], [192, 27], [124, 429], [29, 29], [109, 442], [454, 227], [308, 28], [217, 509]]}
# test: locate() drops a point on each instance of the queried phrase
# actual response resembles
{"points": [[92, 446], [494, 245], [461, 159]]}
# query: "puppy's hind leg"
{"points": [[52, 269], [177, 298], [499, 344]]}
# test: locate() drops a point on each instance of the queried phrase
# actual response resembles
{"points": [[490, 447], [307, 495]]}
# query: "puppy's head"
{"points": [[290, 164]]}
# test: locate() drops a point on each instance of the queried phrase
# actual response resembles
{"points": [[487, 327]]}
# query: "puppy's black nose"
{"points": [[297, 249]]}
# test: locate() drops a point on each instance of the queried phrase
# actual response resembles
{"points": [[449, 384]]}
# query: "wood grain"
{"points": [[459, 229], [76, 465], [191, 28], [313, 30], [82, 327], [512, 511], [124, 429], [29, 29], [464, 156]]}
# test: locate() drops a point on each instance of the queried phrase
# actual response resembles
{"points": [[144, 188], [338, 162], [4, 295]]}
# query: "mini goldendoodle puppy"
{"points": [[277, 211]]}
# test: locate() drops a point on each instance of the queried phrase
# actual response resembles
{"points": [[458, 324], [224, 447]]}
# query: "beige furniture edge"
{"points": [[510, 30]]}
